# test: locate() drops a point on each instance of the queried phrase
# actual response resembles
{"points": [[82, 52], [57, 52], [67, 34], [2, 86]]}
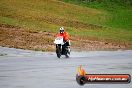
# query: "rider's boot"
{"points": [[69, 50]]}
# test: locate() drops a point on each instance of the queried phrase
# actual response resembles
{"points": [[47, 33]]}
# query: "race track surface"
{"points": [[35, 69]]}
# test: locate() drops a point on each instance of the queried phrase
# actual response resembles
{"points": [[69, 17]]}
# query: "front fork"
{"points": [[58, 46]]}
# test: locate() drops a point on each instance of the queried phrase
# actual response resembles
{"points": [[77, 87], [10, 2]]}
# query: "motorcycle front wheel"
{"points": [[58, 50]]}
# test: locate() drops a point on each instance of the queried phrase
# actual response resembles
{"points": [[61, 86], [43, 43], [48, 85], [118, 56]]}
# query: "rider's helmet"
{"points": [[61, 30]]}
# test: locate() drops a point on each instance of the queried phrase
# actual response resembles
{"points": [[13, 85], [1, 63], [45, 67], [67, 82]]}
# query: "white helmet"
{"points": [[61, 30]]}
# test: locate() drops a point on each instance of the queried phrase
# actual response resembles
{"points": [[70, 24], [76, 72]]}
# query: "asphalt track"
{"points": [[35, 69]]}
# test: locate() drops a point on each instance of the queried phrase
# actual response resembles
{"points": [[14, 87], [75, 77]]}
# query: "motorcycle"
{"points": [[61, 47]]}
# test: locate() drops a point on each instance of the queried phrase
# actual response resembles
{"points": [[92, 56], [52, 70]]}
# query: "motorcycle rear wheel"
{"points": [[67, 54]]}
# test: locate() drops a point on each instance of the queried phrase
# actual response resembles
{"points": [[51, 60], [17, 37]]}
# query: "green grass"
{"points": [[121, 19], [49, 15], [119, 12]]}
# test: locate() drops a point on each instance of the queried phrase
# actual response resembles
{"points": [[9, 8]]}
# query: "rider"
{"points": [[65, 36]]}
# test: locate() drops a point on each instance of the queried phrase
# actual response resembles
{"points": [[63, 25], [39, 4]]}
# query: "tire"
{"points": [[58, 55], [58, 51], [81, 80], [67, 54]]}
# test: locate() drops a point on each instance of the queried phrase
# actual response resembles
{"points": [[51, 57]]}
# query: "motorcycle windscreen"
{"points": [[59, 40]]}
